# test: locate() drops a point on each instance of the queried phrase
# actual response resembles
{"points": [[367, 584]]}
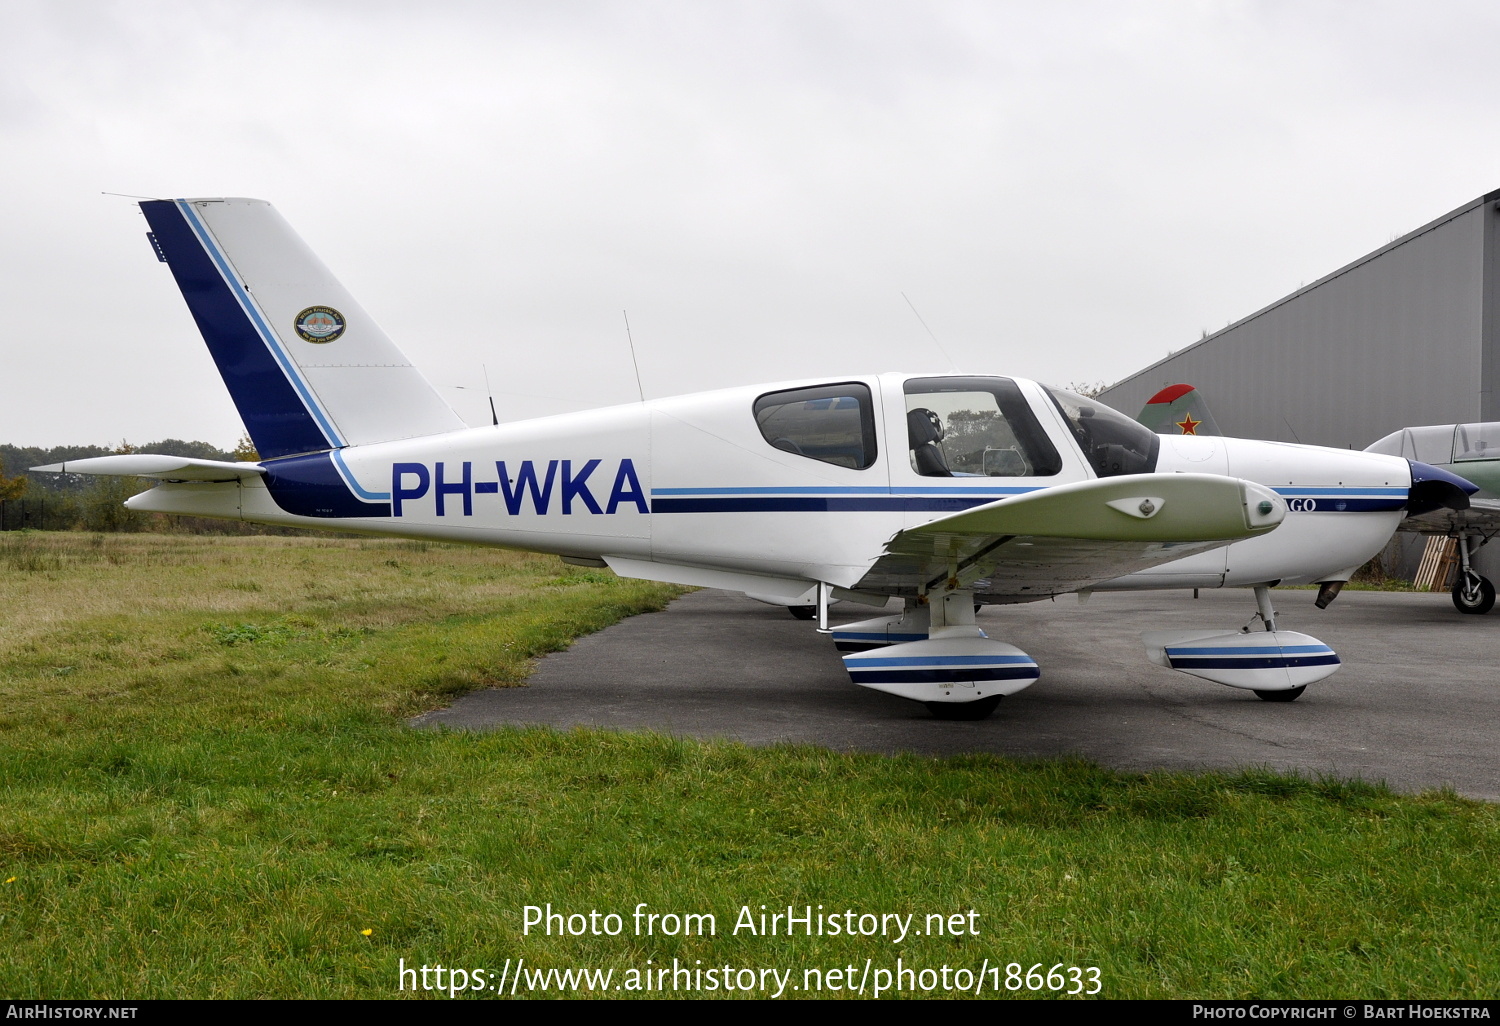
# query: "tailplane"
{"points": [[306, 366]]}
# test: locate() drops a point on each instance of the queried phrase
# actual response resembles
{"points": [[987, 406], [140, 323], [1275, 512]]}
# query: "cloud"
{"points": [[1065, 191]]}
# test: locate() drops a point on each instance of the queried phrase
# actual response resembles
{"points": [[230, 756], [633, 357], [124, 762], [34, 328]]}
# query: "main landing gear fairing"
{"points": [[933, 652]]}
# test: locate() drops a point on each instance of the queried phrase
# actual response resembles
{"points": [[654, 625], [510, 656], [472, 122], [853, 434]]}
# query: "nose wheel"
{"points": [[1473, 593], [963, 710], [1289, 695]]}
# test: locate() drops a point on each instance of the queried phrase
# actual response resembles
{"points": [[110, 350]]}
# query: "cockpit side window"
{"points": [[831, 423], [975, 427], [1476, 442], [1112, 443]]}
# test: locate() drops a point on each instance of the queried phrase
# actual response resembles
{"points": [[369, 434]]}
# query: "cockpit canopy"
{"points": [[1443, 443]]}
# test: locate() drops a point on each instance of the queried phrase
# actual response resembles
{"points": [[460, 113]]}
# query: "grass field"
{"points": [[209, 790]]}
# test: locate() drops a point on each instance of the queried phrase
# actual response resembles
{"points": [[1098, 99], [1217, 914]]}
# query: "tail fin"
{"points": [[306, 366], [1178, 410]]}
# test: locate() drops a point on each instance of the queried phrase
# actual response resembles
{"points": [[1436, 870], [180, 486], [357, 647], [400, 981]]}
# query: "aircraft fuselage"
{"points": [[697, 481]]}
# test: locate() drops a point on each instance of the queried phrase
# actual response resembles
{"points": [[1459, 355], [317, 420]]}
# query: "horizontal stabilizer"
{"points": [[164, 468]]}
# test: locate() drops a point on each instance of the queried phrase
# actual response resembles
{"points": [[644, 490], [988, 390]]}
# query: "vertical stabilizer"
{"points": [[1178, 410], [306, 366]]}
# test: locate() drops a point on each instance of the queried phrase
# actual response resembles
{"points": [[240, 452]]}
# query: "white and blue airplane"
{"points": [[946, 491]]}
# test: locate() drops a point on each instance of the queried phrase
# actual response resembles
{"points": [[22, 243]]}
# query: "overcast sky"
{"points": [[1065, 191]]}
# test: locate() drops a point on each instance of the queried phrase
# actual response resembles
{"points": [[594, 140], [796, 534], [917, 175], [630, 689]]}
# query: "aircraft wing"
{"points": [[1070, 537], [1482, 517], [165, 468]]}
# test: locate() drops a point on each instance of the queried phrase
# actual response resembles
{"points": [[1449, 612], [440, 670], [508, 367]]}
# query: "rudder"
{"points": [[307, 367]]}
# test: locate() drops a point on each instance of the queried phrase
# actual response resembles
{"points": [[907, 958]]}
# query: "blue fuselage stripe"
{"points": [[991, 492], [953, 499], [311, 486], [1252, 650], [815, 504], [1270, 662], [1335, 493], [938, 660], [353, 482], [954, 676]]}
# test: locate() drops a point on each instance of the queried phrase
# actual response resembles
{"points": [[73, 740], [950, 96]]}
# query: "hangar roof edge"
{"points": [[1408, 237]]}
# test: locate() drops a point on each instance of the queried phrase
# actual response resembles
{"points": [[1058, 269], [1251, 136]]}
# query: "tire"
{"points": [[1289, 695], [1473, 594], [976, 710], [803, 612]]}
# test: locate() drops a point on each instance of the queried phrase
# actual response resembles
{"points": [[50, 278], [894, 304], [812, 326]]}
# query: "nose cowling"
{"points": [[1435, 488]]}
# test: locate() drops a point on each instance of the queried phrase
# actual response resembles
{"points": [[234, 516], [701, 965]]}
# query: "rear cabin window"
{"points": [[975, 427], [831, 423]]}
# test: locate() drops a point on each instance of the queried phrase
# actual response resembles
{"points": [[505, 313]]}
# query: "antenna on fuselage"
{"points": [[930, 335], [490, 393], [633, 362]]}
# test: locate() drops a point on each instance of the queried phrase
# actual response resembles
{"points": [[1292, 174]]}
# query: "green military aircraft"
{"points": [[1471, 451]]}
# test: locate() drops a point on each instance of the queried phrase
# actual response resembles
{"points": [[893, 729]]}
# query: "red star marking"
{"points": [[1188, 424]]}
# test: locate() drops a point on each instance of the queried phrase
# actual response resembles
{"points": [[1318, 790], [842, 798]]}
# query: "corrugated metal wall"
{"points": [[1393, 339]]}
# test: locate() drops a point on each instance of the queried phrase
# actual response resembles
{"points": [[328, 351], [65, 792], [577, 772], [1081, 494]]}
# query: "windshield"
{"points": [[1112, 443]]}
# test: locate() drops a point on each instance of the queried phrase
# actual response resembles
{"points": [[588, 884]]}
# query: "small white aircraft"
{"points": [[945, 491]]}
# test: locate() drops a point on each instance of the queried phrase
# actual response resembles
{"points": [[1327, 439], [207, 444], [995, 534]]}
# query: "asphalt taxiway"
{"points": [[1416, 703]]}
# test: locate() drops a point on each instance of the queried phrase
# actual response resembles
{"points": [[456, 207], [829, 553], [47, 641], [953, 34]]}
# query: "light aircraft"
{"points": [[1471, 451], [942, 490]]}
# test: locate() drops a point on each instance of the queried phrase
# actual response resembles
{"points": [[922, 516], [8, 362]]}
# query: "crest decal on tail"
{"points": [[320, 324]]}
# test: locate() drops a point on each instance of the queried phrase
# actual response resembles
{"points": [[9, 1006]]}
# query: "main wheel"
{"points": [[803, 612], [1289, 695], [1473, 593], [976, 710]]}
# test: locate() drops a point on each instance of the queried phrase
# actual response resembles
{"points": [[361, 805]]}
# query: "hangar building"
{"points": [[1408, 334]]}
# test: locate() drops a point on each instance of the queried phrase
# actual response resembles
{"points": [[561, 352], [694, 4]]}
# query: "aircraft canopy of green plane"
{"points": [[1471, 451]]}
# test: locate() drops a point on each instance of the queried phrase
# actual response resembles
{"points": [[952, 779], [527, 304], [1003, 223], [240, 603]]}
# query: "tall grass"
{"points": [[210, 790]]}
